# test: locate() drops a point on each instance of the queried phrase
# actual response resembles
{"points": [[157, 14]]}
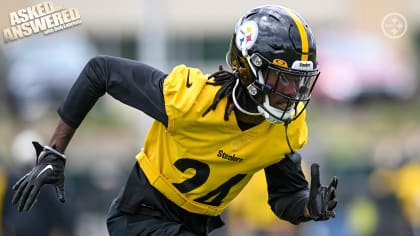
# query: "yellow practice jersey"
{"points": [[202, 162]]}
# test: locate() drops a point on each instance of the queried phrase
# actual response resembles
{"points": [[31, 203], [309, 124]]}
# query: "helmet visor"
{"points": [[293, 85]]}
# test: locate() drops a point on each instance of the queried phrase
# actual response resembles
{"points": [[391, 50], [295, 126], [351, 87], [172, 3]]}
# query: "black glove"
{"points": [[322, 199], [49, 169]]}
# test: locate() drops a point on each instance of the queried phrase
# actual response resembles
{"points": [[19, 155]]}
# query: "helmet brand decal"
{"points": [[280, 62], [303, 65], [246, 35]]}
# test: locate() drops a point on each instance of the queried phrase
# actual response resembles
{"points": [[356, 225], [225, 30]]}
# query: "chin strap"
{"points": [[239, 106], [286, 126], [292, 155]]}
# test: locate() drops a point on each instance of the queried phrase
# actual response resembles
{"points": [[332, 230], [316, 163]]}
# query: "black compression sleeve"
{"points": [[133, 83], [288, 190]]}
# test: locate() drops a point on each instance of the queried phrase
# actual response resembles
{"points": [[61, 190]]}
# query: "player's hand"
{"points": [[49, 169], [322, 199]]}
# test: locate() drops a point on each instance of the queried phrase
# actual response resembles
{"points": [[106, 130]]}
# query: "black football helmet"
{"points": [[274, 39]]}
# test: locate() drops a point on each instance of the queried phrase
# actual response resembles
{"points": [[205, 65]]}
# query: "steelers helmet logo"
{"points": [[394, 25], [246, 35]]}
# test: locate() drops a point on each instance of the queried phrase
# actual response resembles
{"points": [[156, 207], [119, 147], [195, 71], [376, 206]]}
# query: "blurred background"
{"points": [[364, 119]]}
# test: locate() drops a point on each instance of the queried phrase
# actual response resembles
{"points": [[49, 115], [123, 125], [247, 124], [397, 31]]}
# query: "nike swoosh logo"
{"points": [[45, 169], [188, 80]]}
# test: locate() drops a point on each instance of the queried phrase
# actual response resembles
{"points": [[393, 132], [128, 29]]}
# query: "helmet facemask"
{"points": [[282, 94]]}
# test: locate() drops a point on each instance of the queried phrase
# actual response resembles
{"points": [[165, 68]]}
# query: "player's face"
{"points": [[284, 87]]}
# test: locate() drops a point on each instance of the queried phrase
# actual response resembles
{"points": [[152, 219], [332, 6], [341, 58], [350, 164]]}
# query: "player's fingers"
{"points": [[315, 179], [330, 214], [332, 193], [60, 192], [19, 182], [332, 204], [33, 195], [334, 182], [18, 192], [24, 197]]}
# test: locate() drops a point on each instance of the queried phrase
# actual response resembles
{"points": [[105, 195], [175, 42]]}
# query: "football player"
{"points": [[210, 135]]}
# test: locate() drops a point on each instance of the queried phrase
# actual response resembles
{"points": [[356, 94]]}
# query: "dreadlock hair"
{"points": [[227, 80]]}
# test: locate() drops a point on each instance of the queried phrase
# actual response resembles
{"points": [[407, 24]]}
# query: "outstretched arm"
{"points": [[133, 83], [130, 82]]}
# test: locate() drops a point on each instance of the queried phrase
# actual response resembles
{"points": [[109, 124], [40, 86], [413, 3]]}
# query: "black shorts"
{"points": [[120, 224], [140, 209]]}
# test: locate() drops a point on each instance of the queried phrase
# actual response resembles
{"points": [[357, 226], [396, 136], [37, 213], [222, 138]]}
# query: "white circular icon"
{"points": [[394, 25]]}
